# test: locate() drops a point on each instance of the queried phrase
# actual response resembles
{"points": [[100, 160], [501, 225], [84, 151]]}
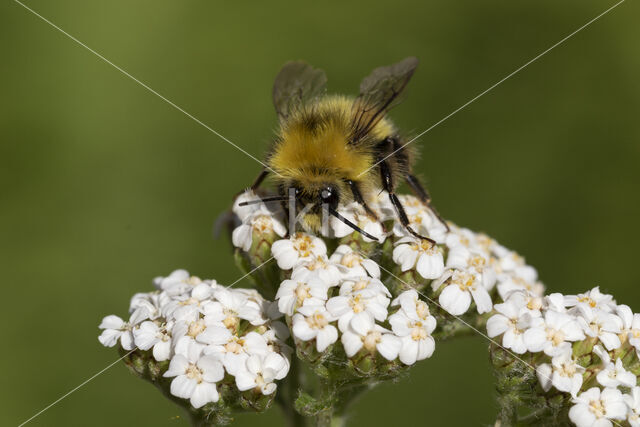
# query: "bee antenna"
{"points": [[264, 200], [335, 213]]}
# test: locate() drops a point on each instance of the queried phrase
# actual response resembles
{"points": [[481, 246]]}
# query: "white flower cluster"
{"points": [[475, 264], [550, 325], [342, 297], [206, 331]]}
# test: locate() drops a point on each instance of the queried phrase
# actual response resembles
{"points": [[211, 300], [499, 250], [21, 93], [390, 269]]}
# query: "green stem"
{"points": [[287, 395]]}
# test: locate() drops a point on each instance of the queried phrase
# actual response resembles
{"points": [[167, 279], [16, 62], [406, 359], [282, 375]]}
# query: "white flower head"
{"points": [[597, 408], [513, 318], [462, 287], [195, 378], [151, 335], [352, 264], [415, 336], [261, 223], [115, 329], [367, 300], [320, 268], [601, 324], [372, 338], [613, 374], [235, 352], [633, 404], [563, 373], [314, 321], [591, 300], [299, 248], [179, 282], [295, 293], [422, 255], [357, 215], [553, 334], [260, 373]]}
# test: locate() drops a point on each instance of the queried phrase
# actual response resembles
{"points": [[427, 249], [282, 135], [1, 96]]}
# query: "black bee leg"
{"points": [[387, 185], [259, 179], [357, 196], [423, 196]]}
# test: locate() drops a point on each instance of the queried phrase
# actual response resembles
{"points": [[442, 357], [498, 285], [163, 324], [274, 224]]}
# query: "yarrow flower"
{"points": [[208, 333], [299, 248], [344, 314]]}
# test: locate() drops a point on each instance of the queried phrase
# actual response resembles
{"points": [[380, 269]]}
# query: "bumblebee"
{"points": [[332, 149]]}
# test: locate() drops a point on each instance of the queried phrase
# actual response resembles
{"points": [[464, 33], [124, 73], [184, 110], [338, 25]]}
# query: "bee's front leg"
{"points": [[387, 185]]}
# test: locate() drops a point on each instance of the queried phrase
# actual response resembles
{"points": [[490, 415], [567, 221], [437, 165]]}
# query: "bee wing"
{"points": [[378, 91], [297, 83]]}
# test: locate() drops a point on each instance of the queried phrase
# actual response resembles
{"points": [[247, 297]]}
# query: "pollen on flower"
{"points": [[351, 259], [371, 340], [196, 328], [317, 321], [263, 224]]}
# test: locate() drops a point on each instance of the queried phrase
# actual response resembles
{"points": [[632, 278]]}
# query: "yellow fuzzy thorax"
{"points": [[313, 144]]}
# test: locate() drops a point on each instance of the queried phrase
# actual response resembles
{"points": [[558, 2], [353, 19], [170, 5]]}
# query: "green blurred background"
{"points": [[104, 186]]}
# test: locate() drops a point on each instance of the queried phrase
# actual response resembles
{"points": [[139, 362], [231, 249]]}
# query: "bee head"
{"points": [[315, 196]]}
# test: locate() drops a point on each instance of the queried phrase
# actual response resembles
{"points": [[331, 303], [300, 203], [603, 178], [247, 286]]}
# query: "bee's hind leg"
{"points": [[423, 196], [387, 184]]}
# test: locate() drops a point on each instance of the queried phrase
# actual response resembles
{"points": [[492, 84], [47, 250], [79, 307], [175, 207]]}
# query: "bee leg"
{"points": [[263, 174], [259, 179], [424, 197], [387, 184], [357, 196]]}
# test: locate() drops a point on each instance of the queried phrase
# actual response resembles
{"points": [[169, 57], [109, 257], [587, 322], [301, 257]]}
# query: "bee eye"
{"points": [[330, 196]]}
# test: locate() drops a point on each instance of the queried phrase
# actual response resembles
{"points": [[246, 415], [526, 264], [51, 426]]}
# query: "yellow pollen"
{"points": [[317, 321], [350, 260], [597, 408], [234, 346], [555, 336], [317, 264], [263, 224], [418, 333], [302, 292], [193, 280], [371, 340], [194, 373], [588, 300], [422, 309], [196, 328], [360, 285], [356, 304]]}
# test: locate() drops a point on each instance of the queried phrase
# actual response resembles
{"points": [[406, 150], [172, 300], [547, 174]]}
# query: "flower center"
{"points": [[317, 321], [193, 281], [597, 408], [262, 224], [588, 300], [234, 346], [422, 309], [555, 336], [350, 260], [196, 328], [371, 340], [464, 280], [303, 245], [419, 332], [194, 373], [357, 304], [318, 263], [302, 292], [567, 369], [360, 285]]}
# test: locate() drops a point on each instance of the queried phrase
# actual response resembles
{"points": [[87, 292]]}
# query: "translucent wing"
{"points": [[378, 91], [297, 83]]}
